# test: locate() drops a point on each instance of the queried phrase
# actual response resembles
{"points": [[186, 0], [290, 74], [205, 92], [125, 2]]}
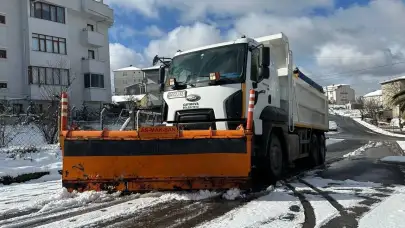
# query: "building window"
{"points": [[3, 54], [3, 85], [93, 80], [90, 27], [91, 54], [48, 76], [48, 44], [2, 19], [47, 12]]}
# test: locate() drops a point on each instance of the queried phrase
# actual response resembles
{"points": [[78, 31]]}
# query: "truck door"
{"points": [[263, 86]]}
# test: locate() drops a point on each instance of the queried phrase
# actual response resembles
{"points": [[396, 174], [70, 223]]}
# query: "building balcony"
{"points": [[93, 66], [92, 38], [98, 11], [96, 94]]}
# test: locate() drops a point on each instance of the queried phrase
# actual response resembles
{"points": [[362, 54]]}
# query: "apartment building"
{"points": [[128, 77], [52, 46], [389, 88], [340, 94]]}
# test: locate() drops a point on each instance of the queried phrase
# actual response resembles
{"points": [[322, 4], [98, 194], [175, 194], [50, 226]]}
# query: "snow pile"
{"points": [[232, 194], [360, 150], [200, 195], [16, 161], [65, 199], [377, 129], [49, 199]]}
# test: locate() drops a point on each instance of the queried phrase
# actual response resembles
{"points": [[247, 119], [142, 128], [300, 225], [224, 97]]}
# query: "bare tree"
{"points": [[373, 108], [52, 81]]}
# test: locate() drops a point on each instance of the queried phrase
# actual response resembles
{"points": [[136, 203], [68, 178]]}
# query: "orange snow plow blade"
{"points": [[156, 158]]}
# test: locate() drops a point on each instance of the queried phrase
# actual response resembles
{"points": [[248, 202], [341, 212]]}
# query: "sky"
{"points": [[356, 42]]}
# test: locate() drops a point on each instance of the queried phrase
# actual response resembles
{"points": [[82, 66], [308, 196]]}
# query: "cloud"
{"points": [[183, 38], [361, 45], [197, 10], [121, 56], [145, 7], [124, 32]]}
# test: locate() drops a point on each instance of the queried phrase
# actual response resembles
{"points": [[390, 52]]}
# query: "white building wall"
{"points": [[123, 79], [16, 37], [340, 94]]}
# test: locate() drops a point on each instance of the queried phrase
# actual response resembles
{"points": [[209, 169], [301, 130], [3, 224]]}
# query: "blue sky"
{"points": [[331, 39]]}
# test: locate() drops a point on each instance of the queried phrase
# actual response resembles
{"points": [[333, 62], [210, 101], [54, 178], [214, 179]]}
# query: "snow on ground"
{"points": [[360, 150], [341, 111], [388, 214], [323, 210], [15, 161], [394, 159], [377, 129], [331, 141], [272, 210]]}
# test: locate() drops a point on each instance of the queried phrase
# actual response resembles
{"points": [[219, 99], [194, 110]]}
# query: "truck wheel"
{"points": [[275, 156], [322, 150], [315, 151]]}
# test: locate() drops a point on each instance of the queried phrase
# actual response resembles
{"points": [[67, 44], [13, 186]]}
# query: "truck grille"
{"points": [[196, 119]]}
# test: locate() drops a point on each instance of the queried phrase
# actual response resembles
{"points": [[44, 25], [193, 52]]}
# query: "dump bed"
{"points": [[301, 97]]}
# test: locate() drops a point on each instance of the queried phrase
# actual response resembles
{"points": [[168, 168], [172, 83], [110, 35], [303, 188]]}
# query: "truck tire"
{"points": [[322, 149], [314, 155], [275, 157]]}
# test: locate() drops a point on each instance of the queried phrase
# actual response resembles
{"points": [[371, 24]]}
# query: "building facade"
{"points": [[340, 94], [51, 46], [128, 77], [390, 88]]}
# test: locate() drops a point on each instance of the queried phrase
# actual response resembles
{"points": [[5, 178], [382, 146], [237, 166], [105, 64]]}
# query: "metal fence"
{"points": [[23, 131]]}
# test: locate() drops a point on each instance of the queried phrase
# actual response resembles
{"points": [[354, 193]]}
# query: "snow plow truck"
{"points": [[234, 113]]}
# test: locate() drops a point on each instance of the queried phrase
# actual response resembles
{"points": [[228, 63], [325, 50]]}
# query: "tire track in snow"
{"points": [[34, 217], [308, 209]]}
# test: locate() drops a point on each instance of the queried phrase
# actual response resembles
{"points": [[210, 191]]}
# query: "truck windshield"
{"points": [[196, 67]]}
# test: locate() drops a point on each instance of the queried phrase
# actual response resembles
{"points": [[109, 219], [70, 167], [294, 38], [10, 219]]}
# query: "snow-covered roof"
{"points": [[393, 79], [126, 98], [130, 68], [374, 93], [152, 67]]}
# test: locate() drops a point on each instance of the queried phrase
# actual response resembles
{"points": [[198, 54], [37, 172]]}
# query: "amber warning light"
{"points": [[214, 76]]}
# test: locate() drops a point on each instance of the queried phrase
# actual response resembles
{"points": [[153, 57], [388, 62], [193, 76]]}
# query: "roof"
{"points": [[130, 68], [126, 98], [337, 85], [393, 80], [152, 68], [374, 93]]}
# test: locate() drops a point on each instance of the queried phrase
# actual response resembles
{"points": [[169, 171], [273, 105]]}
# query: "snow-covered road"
{"points": [[356, 190], [309, 201]]}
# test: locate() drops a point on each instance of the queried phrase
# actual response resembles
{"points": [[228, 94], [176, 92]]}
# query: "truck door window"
{"points": [[254, 70]]}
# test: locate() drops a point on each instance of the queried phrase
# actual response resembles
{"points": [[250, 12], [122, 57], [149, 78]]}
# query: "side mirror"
{"points": [[162, 78], [162, 75], [264, 71], [264, 57]]}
